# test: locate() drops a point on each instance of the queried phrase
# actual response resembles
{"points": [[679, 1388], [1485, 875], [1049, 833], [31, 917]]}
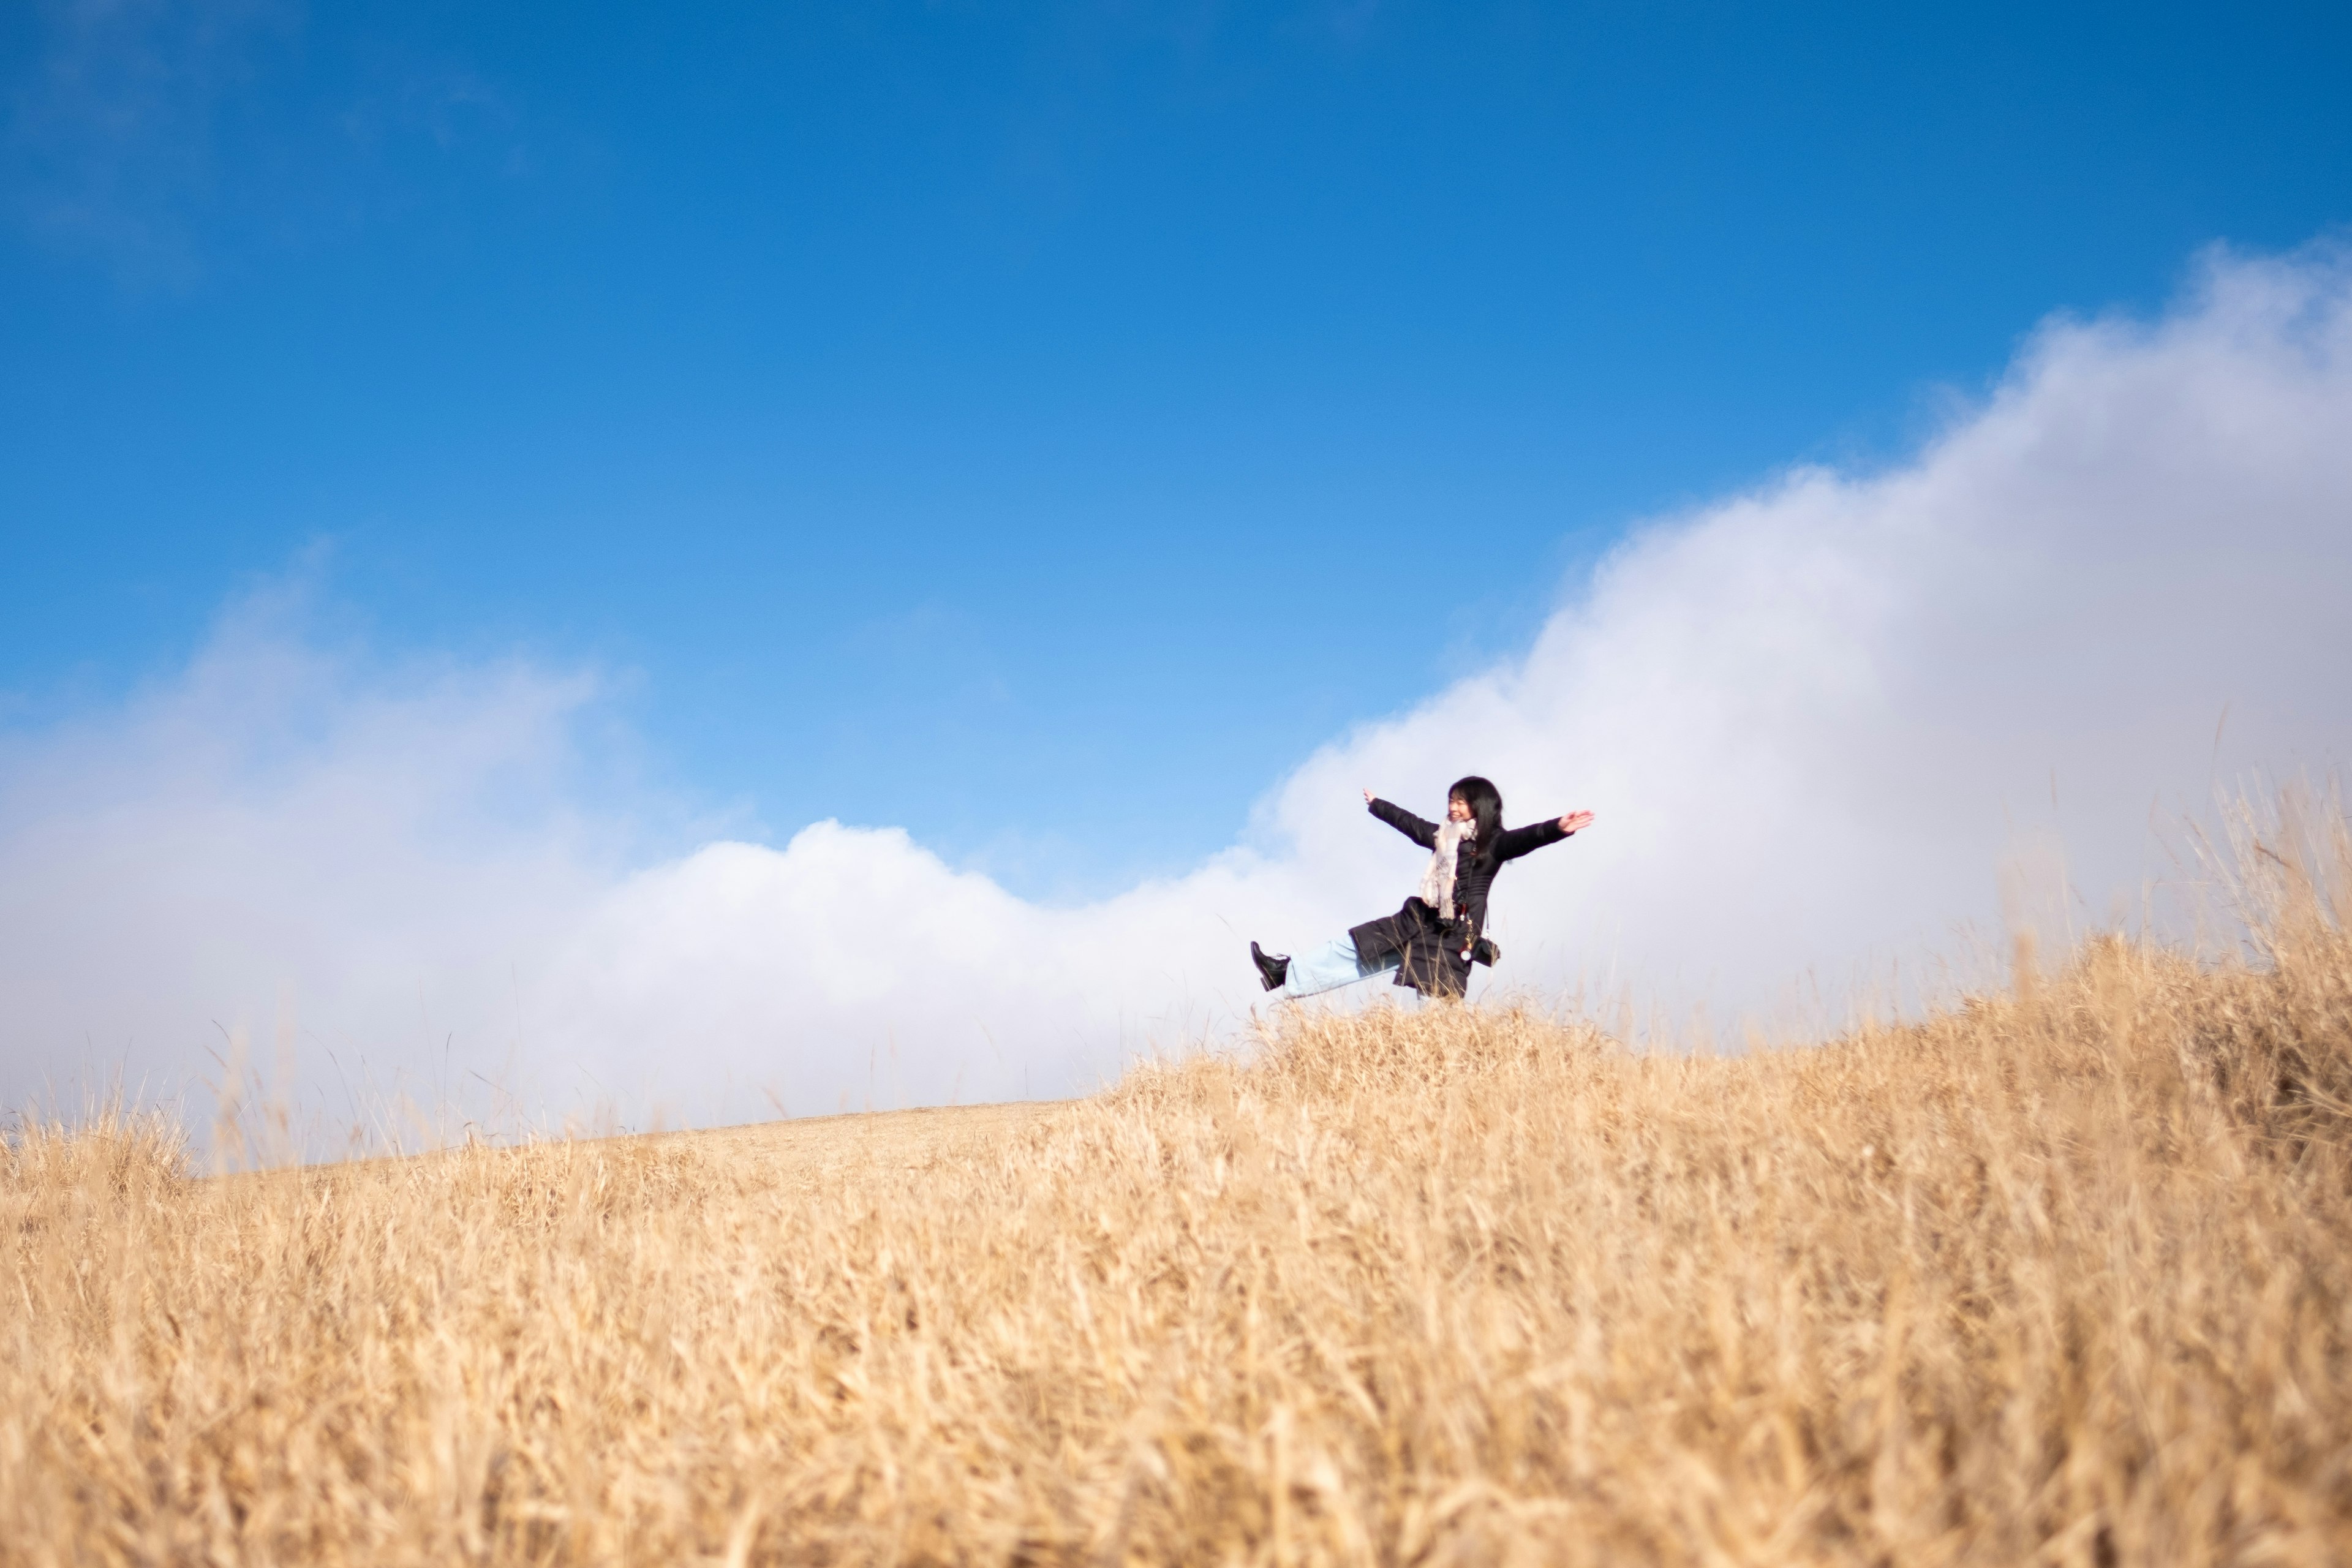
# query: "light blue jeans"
{"points": [[1329, 967]]}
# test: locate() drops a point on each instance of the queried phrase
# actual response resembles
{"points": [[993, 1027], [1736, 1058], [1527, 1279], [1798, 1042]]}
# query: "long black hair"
{"points": [[1486, 804]]}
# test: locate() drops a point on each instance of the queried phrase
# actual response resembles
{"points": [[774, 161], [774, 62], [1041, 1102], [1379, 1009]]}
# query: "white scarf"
{"points": [[1437, 882]]}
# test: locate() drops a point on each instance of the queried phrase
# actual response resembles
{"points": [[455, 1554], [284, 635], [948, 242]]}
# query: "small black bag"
{"points": [[1484, 951]]}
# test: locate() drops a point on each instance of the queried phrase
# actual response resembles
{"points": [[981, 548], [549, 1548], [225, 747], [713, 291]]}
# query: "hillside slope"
{"points": [[2065, 1274]]}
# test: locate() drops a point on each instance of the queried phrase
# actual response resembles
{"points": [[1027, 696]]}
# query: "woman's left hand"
{"points": [[1574, 820]]}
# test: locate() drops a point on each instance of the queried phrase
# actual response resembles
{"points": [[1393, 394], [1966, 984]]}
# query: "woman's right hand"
{"points": [[1370, 797]]}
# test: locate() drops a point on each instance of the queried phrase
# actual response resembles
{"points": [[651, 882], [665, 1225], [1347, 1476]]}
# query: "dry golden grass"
{"points": [[2062, 1276]]}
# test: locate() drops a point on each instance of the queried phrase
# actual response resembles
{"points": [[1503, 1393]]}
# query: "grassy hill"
{"points": [[2064, 1275]]}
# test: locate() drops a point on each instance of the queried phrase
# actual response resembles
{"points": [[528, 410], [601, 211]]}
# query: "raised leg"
{"points": [[1329, 967]]}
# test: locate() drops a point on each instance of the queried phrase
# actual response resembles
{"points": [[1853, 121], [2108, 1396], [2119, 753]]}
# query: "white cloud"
{"points": [[1813, 717]]}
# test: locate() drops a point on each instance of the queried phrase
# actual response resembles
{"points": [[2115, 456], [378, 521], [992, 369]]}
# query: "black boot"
{"points": [[1274, 968]]}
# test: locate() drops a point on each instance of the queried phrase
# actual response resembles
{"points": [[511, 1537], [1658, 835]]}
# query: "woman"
{"points": [[1432, 941]]}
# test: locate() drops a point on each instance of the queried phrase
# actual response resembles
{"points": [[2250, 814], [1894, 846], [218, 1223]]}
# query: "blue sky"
{"points": [[1035, 427]]}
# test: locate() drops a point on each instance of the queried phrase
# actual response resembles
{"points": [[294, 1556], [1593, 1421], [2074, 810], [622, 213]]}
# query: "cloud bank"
{"points": [[1816, 720]]}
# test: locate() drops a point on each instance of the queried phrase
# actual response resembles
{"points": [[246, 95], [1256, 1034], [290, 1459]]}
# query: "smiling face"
{"points": [[1457, 809]]}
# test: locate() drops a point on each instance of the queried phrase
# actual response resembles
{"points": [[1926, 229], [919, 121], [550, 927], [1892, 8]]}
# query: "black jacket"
{"points": [[1429, 950]]}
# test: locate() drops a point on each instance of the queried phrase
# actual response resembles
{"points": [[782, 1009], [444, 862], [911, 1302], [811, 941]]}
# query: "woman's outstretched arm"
{"points": [[1413, 828], [1536, 834]]}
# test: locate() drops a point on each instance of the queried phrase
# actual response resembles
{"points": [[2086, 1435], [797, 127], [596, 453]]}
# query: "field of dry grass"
{"points": [[2062, 1276]]}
